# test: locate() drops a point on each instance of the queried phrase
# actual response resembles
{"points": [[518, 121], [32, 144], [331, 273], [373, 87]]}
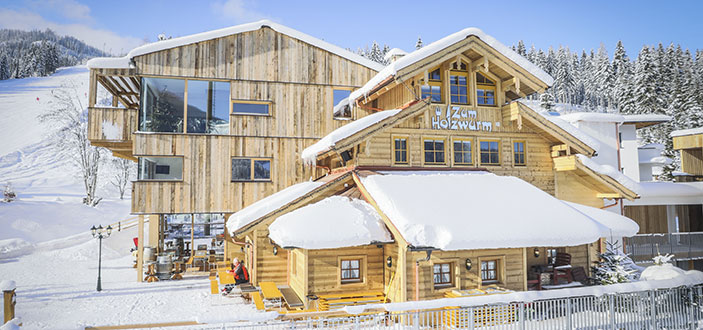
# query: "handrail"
{"points": [[683, 245], [126, 223]]}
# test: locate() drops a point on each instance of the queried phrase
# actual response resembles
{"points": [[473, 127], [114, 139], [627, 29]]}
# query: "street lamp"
{"points": [[100, 233]]}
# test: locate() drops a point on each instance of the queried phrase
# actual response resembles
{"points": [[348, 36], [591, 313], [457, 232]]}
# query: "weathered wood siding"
{"points": [[324, 269], [125, 120], [651, 218], [692, 161]]}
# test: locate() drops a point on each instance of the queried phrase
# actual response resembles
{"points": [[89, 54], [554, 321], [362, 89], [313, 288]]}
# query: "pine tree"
{"points": [[521, 49], [418, 44], [603, 78], [4, 68], [614, 266], [564, 85]]}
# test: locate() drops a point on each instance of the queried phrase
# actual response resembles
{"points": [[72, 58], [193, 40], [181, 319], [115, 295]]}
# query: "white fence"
{"points": [[675, 308]]}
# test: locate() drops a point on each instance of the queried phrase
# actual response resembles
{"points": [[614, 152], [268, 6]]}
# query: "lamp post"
{"points": [[100, 233]]}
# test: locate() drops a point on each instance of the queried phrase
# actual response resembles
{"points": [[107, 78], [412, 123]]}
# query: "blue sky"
{"points": [[117, 26]]}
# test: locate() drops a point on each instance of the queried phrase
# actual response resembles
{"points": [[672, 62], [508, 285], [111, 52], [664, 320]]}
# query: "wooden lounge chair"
{"points": [[562, 268]]}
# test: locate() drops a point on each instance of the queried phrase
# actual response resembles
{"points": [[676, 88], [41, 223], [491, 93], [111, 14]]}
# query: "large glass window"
{"points": [[202, 233], [350, 270], [442, 274], [251, 169], [434, 151], [162, 105], [459, 84], [462, 152], [485, 90], [160, 168], [251, 108], [490, 152], [341, 111], [208, 107], [432, 88]]}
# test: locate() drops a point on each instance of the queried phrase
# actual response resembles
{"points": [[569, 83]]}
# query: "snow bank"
{"points": [[689, 279], [619, 225], [194, 38], [611, 172], [563, 124], [333, 222], [661, 272], [310, 153], [269, 204], [7, 285], [593, 117], [426, 51], [14, 247], [684, 132], [435, 210], [13, 324]]}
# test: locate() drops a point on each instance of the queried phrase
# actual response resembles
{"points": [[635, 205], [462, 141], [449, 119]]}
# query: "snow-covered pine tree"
{"points": [[603, 78], [564, 84], [546, 100], [4, 67], [614, 266], [375, 53], [418, 44], [622, 73], [521, 48]]}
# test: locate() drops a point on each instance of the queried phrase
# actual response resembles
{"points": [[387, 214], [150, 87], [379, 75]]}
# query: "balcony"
{"points": [[684, 246], [112, 128]]}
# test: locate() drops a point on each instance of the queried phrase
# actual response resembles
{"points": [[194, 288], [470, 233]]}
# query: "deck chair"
{"points": [[562, 268], [579, 275]]}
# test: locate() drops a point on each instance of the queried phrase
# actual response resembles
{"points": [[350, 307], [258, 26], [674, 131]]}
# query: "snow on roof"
{"points": [[393, 52], [657, 146], [646, 118], [611, 172], [593, 117], [109, 62], [269, 204], [619, 225], [463, 210], [333, 222], [684, 132], [198, 37], [419, 54], [670, 189], [563, 124], [657, 160], [310, 153]]}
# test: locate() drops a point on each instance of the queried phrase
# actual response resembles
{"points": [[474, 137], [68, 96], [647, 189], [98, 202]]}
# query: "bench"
{"points": [[291, 298], [340, 300], [256, 297], [214, 289]]}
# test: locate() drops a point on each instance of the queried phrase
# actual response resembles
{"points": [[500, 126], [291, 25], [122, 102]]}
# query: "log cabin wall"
{"points": [[393, 274], [296, 78], [268, 267], [324, 269]]}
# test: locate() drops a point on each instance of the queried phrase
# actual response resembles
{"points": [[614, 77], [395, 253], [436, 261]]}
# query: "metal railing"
{"points": [[684, 246], [674, 308]]}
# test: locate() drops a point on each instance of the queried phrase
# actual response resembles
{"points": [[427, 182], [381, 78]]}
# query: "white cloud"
{"points": [[101, 39], [236, 10], [69, 9]]}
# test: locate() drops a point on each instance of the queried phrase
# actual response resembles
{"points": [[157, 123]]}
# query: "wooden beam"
{"points": [[608, 195]]}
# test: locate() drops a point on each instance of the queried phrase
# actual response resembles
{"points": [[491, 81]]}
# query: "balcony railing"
{"points": [[684, 246], [111, 124]]}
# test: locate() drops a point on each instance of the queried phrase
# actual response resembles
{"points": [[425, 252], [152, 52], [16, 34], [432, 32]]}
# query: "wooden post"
{"points": [[140, 250], [9, 303]]}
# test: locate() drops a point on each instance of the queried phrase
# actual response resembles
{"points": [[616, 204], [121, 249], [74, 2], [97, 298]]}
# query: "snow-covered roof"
{"points": [[646, 118], [394, 52], [110, 62], [670, 189], [593, 117], [269, 204], [619, 225], [333, 222], [326, 143], [610, 171], [424, 52], [563, 124], [657, 146], [684, 132], [194, 38], [657, 160], [464, 210]]}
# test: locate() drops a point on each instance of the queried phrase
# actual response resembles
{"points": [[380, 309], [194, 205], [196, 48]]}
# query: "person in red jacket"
{"points": [[240, 275]]}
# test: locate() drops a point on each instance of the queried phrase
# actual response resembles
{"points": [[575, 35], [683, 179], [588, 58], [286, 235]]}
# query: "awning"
{"points": [[333, 222]]}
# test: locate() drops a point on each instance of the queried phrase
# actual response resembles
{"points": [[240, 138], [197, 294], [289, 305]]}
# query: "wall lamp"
{"points": [[468, 264], [389, 262], [536, 252]]}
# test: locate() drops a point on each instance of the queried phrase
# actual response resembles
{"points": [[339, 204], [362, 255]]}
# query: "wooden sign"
{"points": [[458, 118]]}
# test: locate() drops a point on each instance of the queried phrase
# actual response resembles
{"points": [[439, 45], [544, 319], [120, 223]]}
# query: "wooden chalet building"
{"points": [[338, 175]]}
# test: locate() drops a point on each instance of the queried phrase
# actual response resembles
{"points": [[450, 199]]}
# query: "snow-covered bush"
{"points": [[614, 266], [662, 269], [8, 194]]}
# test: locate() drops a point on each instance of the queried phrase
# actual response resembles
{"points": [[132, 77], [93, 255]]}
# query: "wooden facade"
{"points": [[691, 149]]}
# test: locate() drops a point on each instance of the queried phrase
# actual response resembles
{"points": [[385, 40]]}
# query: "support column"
{"points": [[140, 249], [154, 230], [671, 225]]}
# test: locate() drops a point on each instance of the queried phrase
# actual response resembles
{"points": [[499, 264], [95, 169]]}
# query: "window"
{"points": [[341, 111], [485, 90], [462, 152], [432, 88], [160, 168], [164, 107], [551, 256], [458, 84], [519, 153], [251, 169], [434, 151], [490, 152], [442, 274], [489, 271], [351, 270], [400, 150], [163, 104], [261, 108], [208, 107]]}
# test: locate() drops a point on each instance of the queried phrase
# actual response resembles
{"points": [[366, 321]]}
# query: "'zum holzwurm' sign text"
{"points": [[456, 118]]}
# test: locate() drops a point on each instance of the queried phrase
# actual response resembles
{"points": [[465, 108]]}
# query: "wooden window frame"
{"points": [[500, 146], [443, 285], [484, 86], [434, 139], [161, 180], [432, 82], [393, 150], [251, 170], [473, 154], [268, 103], [466, 75], [500, 270], [362, 272], [351, 114], [515, 152]]}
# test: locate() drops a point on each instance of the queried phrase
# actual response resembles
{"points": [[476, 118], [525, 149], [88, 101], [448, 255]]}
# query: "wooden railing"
{"points": [[111, 124]]}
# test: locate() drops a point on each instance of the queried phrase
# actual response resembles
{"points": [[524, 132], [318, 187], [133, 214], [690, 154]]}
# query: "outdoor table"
{"points": [[271, 292], [225, 278]]}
